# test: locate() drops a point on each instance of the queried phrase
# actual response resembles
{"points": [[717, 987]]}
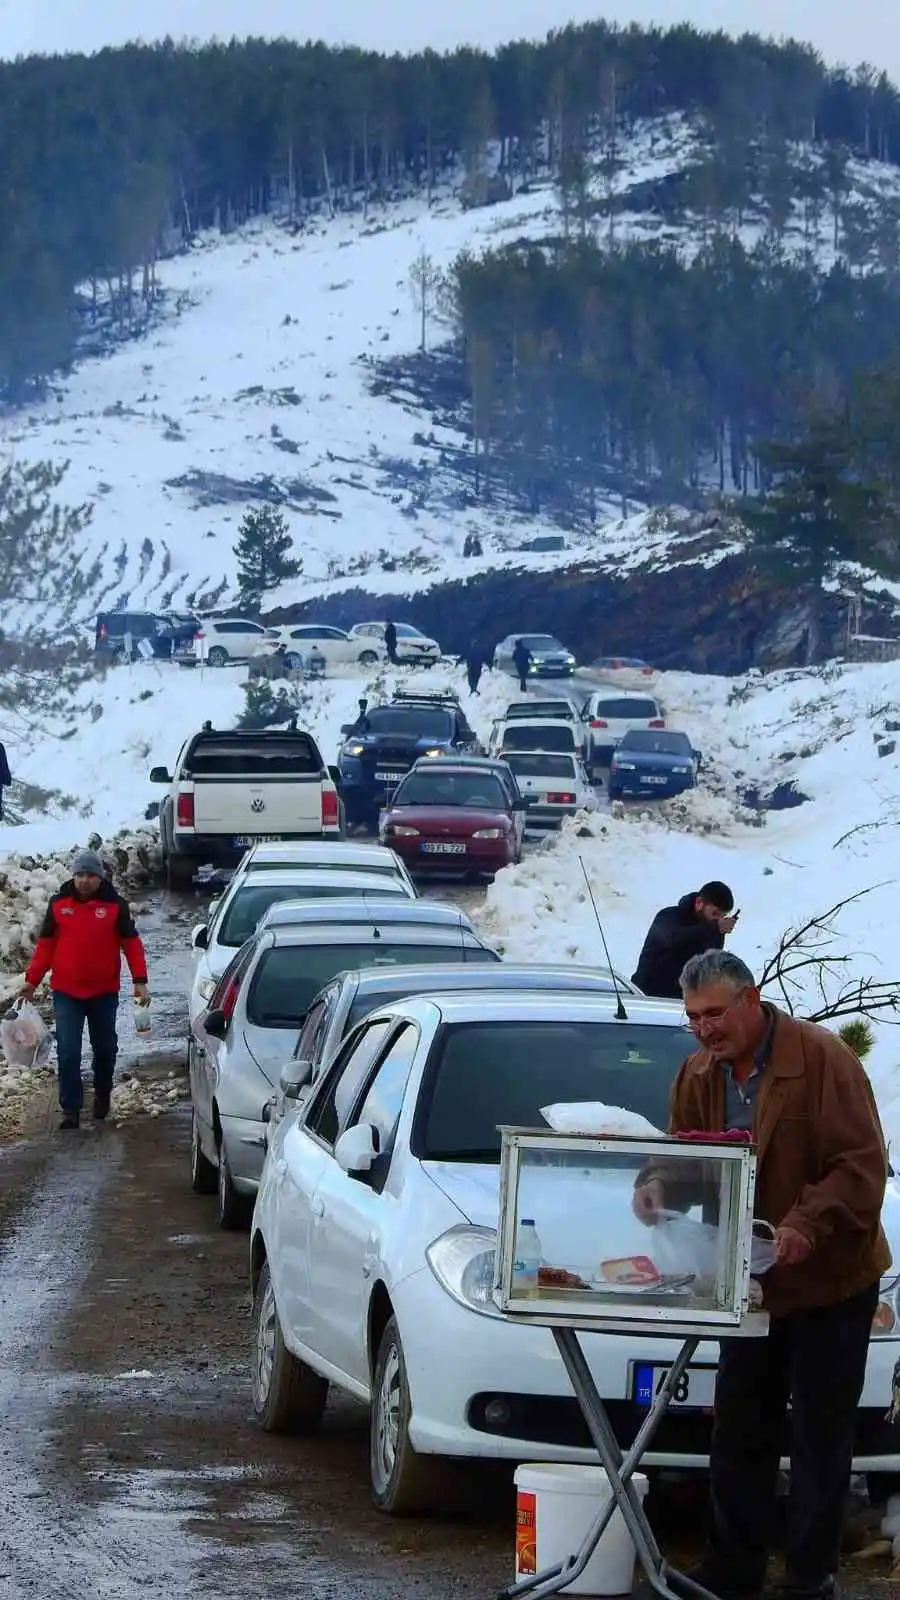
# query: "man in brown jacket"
{"points": [[821, 1172]]}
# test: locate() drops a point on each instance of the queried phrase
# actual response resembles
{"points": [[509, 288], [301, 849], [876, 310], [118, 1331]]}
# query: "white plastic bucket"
{"points": [[555, 1506]]}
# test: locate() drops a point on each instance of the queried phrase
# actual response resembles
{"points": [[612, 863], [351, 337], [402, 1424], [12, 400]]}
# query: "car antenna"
{"points": [[621, 1013], [376, 931]]}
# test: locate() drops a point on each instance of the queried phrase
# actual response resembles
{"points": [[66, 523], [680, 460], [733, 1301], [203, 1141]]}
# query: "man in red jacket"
{"points": [[86, 931]]}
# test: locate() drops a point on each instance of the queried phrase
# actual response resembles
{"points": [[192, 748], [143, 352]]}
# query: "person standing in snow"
{"points": [[522, 661], [390, 643], [474, 667], [5, 776], [803, 1097], [87, 929], [699, 922]]}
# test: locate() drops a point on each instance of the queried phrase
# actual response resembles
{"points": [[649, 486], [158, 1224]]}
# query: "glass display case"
{"points": [[626, 1232]]}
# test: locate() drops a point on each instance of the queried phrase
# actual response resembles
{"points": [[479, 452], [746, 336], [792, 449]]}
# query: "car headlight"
{"points": [[886, 1321], [624, 766], [462, 1260], [682, 772], [206, 988], [570, 660], [354, 749], [399, 830], [435, 752], [489, 833]]}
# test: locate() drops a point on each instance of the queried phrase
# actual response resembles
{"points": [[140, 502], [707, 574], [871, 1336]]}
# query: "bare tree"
{"points": [[806, 956], [425, 280]]}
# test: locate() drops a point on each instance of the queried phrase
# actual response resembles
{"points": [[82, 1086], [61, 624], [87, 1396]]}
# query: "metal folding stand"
{"points": [[620, 1468]]}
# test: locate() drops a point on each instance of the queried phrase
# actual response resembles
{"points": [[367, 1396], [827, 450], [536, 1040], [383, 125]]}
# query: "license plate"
{"points": [[696, 1390], [389, 777], [434, 847], [241, 840], [654, 780]]}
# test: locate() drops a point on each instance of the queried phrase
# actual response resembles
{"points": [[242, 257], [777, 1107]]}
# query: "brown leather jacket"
{"points": [[821, 1159]]}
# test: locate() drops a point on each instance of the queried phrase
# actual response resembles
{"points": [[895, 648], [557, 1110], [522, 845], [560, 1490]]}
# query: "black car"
{"points": [[119, 634], [647, 762], [385, 741]]}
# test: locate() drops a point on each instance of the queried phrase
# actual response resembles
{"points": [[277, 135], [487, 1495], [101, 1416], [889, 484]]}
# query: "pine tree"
{"points": [[263, 553]]}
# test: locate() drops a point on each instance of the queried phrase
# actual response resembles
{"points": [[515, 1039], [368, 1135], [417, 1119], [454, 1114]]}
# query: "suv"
{"points": [[119, 633], [383, 744], [219, 640], [608, 714], [232, 787]]}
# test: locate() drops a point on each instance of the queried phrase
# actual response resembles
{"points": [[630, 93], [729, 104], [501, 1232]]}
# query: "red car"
{"points": [[456, 816]]}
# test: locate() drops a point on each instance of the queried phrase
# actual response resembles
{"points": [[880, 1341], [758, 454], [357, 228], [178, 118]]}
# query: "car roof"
{"points": [[387, 933], [533, 708], [343, 852], [458, 764], [369, 909], [495, 1005], [540, 722], [612, 691], [275, 876], [513, 975]]}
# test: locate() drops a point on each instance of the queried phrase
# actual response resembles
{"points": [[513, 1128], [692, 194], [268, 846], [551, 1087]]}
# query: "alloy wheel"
{"points": [[387, 1421], [266, 1330]]}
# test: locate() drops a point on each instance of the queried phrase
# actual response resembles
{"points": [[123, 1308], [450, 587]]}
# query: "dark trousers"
{"points": [[523, 679], [99, 1012], [817, 1361]]}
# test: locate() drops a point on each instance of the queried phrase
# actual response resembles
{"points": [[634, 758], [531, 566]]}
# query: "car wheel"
{"points": [[368, 658], [179, 873], [293, 662], [288, 1397], [217, 657], [234, 1208], [342, 819], [204, 1179], [403, 1483], [881, 1485]]}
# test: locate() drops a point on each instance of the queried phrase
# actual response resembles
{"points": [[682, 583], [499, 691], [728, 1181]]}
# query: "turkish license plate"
{"points": [[242, 840], [437, 847], [654, 779], [389, 777], [695, 1390]]}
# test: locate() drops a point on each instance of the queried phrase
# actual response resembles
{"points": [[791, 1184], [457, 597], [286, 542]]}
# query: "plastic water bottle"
{"points": [[142, 1017], [528, 1259]]}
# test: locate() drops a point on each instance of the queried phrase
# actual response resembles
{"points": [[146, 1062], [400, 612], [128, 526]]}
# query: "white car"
{"points": [[220, 640], [608, 714], [414, 649], [324, 855], [555, 783], [545, 733], [549, 658], [373, 1240], [247, 899], [335, 647]]}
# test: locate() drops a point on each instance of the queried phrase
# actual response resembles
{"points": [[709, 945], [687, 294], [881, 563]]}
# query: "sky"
{"points": [[843, 33]]}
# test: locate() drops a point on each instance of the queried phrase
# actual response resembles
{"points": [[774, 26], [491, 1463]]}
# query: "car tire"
{"points": [[342, 819], [233, 1209], [404, 1483], [288, 1397], [179, 873], [368, 658], [881, 1485], [216, 657], [204, 1178]]}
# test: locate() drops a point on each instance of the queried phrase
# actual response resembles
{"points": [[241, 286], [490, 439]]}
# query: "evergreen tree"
{"points": [[263, 554]]}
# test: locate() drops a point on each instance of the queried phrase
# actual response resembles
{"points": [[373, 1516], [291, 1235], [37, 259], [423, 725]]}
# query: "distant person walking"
{"points": [[475, 665], [522, 661], [699, 922], [5, 776], [87, 929], [390, 643]]}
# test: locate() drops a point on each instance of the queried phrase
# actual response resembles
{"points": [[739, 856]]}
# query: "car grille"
{"points": [[388, 755]]}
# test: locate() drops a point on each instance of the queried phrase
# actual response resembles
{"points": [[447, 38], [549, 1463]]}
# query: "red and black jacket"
{"points": [[81, 943]]}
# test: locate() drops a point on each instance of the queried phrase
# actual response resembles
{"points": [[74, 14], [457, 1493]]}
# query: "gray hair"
{"points": [[715, 966]]}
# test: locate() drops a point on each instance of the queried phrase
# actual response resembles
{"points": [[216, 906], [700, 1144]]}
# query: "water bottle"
{"points": [[528, 1259], [142, 1017]]}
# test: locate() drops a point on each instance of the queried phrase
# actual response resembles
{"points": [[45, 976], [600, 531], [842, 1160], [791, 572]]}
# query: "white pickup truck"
{"points": [[232, 788]]}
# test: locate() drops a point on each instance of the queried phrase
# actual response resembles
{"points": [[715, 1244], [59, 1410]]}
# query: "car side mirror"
{"points": [[200, 937], [357, 1149], [215, 1024], [295, 1075], [160, 775], [522, 803], [699, 759], [346, 727]]}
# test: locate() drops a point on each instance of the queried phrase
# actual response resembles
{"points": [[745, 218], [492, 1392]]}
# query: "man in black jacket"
{"points": [[5, 776], [699, 922]]}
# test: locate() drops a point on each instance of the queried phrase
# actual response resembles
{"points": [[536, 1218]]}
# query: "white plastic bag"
{"points": [[682, 1245], [142, 1018], [23, 1037], [591, 1116]]}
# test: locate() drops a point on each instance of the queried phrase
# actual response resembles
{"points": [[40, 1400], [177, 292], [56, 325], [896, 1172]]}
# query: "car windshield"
{"points": [[488, 1075], [541, 641], [436, 788], [252, 901], [405, 630], [412, 722], [542, 766], [547, 736], [626, 710], [265, 757], [658, 744], [289, 977]]}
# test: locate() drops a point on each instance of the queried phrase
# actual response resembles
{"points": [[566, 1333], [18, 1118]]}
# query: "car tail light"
{"points": [[330, 809], [561, 799], [103, 631], [647, 672], [657, 722], [184, 811], [598, 722], [199, 636], [229, 998]]}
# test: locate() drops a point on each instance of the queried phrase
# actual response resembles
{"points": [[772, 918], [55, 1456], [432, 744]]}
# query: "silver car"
{"points": [[549, 658], [238, 1046], [371, 910]]}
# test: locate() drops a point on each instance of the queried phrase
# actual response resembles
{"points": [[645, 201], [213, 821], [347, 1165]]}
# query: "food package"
{"points": [[23, 1037], [592, 1116], [636, 1272]]}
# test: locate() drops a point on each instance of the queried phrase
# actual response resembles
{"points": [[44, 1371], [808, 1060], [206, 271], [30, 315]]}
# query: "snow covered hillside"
{"points": [[257, 383]]}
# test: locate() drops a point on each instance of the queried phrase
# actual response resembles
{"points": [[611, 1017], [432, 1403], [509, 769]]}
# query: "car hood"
{"points": [[447, 819], [651, 761]]}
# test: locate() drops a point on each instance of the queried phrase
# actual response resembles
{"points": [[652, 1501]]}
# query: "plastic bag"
{"points": [[142, 1019], [591, 1116], [24, 1039], [682, 1245]]}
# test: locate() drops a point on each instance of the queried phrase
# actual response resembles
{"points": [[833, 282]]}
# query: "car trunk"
{"points": [[254, 790], [445, 831]]}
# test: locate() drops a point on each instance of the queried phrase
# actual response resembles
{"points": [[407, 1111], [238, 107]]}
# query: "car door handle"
{"points": [[317, 1207]]}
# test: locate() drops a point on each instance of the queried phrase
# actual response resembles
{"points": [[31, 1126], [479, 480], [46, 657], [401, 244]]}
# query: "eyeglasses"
{"points": [[698, 1021]]}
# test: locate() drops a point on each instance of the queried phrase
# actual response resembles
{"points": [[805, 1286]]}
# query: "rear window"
{"points": [[526, 712], [660, 744], [421, 723], [288, 979], [379, 871], [263, 758], [492, 1075], [545, 737], [252, 902], [542, 766], [627, 710]]}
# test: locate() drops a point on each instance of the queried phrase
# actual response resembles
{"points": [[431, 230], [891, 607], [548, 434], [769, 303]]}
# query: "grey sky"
{"points": [[842, 32]]}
